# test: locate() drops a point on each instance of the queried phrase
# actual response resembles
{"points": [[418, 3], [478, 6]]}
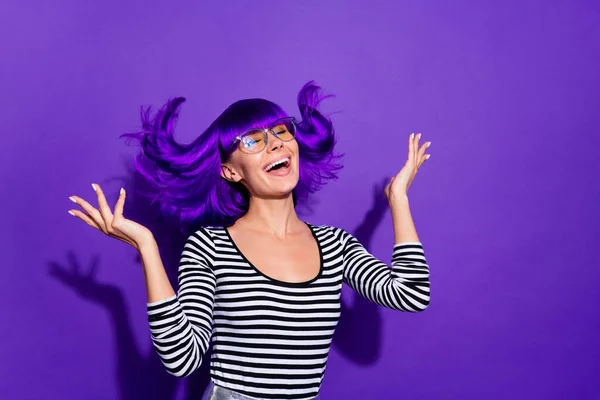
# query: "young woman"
{"points": [[259, 284]]}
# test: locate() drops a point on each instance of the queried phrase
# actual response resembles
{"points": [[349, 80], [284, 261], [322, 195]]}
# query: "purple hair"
{"points": [[185, 179]]}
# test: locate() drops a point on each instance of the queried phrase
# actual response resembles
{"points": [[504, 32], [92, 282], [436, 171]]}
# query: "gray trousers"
{"points": [[215, 392]]}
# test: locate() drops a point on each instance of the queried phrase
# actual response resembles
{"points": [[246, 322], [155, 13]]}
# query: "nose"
{"points": [[274, 142]]}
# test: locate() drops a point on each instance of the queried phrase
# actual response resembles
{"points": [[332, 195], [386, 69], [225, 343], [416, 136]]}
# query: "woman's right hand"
{"points": [[116, 225]]}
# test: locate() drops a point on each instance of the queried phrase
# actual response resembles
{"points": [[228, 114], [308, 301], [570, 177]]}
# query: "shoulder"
{"points": [[202, 241], [331, 232], [211, 230]]}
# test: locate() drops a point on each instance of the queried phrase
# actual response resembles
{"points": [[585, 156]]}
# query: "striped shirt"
{"points": [[271, 339]]}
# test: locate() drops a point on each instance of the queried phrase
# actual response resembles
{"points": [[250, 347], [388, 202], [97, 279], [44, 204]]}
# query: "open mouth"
{"points": [[279, 167]]}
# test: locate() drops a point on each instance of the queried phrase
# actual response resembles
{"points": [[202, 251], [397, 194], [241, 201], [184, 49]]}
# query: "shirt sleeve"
{"points": [[403, 287], [181, 326]]}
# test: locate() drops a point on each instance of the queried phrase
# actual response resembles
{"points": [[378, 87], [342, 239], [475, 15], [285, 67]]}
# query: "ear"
{"points": [[229, 173]]}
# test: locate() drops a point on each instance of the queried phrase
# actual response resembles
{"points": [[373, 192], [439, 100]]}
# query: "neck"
{"points": [[273, 216]]}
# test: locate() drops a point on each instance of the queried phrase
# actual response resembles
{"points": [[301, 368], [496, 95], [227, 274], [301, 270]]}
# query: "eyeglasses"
{"points": [[255, 140]]}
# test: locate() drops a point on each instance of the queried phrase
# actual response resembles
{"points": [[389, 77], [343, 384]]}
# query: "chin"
{"points": [[287, 187], [283, 188]]}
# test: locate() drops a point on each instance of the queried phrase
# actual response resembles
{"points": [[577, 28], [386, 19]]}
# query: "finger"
{"points": [[120, 204], [85, 218], [411, 147], [104, 208], [388, 187], [421, 154], [416, 146], [424, 158], [91, 222], [91, 211]]}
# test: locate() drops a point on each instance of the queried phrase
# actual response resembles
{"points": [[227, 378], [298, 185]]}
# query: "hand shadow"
{"points": [[358, 333], [140, 375]]}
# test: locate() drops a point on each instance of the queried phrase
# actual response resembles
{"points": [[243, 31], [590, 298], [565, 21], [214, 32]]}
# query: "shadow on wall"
{"points": [[140, 373], [358, 333]]}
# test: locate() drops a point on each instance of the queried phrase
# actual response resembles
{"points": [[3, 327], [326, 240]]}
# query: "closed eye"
{"points": [[252, 141]]}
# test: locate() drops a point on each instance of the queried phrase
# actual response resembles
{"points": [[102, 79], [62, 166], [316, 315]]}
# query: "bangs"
{"points": [[242, 116]]}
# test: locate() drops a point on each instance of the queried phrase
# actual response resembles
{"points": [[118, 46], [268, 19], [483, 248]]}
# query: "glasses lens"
{"points": [[253, 141], [284, 129]]}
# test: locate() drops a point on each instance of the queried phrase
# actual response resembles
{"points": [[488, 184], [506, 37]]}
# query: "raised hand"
{"points": [[113, 225], [399, 184]]}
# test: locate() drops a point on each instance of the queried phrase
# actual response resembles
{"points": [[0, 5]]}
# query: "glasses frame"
{"points": [[265, 132]]}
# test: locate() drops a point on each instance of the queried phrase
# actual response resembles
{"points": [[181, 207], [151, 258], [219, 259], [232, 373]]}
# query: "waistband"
{"points": [[216, 392]]}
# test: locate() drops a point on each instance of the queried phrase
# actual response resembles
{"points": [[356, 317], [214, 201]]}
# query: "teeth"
{"points": [[270, 166]]}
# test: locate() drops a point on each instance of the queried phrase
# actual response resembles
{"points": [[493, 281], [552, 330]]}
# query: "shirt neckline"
{"points": [[277, 281]]}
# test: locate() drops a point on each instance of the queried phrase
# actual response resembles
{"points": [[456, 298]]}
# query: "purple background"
{"points": [[506, 208]]}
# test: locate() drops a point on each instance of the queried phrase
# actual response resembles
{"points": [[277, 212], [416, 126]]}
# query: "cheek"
{"points": [[297, 155], [294, 149], [250, 167]]}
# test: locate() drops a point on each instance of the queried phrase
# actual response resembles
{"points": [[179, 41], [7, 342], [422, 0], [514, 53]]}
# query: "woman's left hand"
{"points": [[398, 185]]}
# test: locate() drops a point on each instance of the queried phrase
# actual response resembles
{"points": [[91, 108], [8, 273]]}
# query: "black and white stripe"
{"points": [[271, 338]]}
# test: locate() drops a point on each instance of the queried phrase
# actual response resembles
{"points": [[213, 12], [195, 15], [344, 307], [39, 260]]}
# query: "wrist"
{"points": [[147, 244], [397, 201]]}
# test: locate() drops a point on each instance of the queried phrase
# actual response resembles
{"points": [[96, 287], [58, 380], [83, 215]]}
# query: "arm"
{"points": [[181, 325], [404, 287]]}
